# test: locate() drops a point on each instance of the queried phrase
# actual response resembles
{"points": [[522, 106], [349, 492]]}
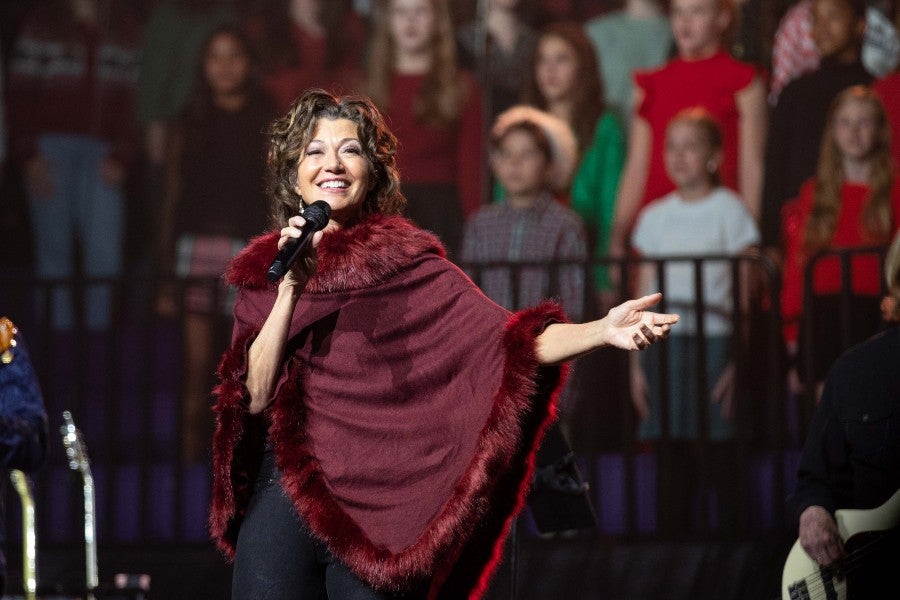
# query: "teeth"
{"points": [[334, 184]]}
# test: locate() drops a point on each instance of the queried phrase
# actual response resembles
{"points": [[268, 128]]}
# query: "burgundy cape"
{"points": [[406, 416]]}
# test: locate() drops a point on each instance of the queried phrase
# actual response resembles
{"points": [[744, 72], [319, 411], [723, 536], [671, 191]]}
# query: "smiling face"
{"points": [[334, 168]]}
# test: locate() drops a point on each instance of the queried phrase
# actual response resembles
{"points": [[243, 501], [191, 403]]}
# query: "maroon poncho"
{"points": [[406, 416]]}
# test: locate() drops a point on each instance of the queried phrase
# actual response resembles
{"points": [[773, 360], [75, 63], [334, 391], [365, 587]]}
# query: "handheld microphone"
{"points": [[316, 215]]}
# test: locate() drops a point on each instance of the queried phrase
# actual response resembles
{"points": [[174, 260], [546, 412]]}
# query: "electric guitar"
{"points": [[804, 578], [78, 461], [29, 538]]}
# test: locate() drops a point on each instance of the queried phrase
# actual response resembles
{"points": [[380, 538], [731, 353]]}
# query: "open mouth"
{"points": [[334, 184]]}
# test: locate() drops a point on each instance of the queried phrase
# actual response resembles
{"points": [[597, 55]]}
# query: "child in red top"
{"points": [[704, 75], [852, 202], [434, 108]]}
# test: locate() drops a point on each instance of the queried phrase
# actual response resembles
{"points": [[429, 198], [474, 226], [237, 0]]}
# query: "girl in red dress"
{"points": [[852, 202], [705, 75], [435, 109]]}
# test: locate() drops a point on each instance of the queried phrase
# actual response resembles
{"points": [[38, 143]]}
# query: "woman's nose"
{"points": [[334, 162]]}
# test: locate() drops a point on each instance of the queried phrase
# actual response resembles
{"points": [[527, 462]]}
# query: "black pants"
{"points": [[277, 558]]}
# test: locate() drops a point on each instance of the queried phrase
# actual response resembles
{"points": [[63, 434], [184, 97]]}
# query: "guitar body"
{"points": [[802, 577]]}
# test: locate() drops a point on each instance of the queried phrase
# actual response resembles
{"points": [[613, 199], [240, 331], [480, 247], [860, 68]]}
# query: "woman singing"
{"points": [[377, 414]]}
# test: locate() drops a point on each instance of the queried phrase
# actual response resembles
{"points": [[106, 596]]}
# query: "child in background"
{"points": [[435, 111], [529, 225], [703, 74], [214, 203], [853, 201], [794, 51], [798, 118], [701, 217], [564, 81]]}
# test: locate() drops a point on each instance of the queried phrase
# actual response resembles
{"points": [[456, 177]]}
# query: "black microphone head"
{"points": [[317, 214]]}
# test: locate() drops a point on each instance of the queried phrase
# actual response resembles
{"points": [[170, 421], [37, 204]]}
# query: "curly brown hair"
{"points": [[291, 133]]}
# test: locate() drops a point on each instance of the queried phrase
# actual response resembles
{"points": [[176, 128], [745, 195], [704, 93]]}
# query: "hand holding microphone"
{"points": [[316, 216]]}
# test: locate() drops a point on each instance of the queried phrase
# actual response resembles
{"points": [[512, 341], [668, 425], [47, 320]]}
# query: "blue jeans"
{"points": [[685, 400], [82, 209], [277, 558]]}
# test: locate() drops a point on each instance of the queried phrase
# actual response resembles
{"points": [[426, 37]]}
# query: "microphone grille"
{"points": [[317, 214]]}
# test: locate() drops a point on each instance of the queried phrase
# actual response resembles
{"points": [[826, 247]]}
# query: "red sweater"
{"points": [[74, 80], [865, 272], [439, 154]]}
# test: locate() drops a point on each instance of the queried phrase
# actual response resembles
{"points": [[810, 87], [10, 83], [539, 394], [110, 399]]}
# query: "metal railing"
{"points": [[124, 387]]}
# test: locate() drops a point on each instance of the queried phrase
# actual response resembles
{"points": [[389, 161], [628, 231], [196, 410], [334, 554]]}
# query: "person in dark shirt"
{"points": [[23, 418], [214, 203], [798, 120], [851, 457]]}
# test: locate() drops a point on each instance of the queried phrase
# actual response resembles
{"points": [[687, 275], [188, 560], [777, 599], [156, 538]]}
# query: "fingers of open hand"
{"points": [[649, 333], [639, 342]]}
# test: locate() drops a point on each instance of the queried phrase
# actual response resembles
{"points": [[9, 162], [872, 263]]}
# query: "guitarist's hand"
{"points": [[820, 537]]}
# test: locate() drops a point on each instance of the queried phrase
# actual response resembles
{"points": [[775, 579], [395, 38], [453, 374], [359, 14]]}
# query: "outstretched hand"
{"points": [[629, 326], [632, 327]]}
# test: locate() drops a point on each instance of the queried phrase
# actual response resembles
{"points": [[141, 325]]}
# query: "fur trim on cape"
{"points": [[359, 256], [459, 549]]}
